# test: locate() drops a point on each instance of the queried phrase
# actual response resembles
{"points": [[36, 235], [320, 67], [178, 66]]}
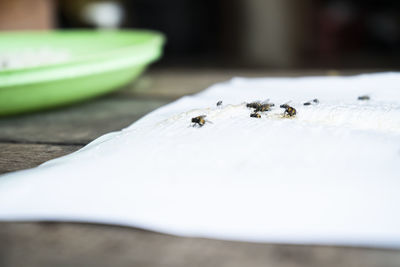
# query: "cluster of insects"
{"points": [[261, 107], [258, 107]]}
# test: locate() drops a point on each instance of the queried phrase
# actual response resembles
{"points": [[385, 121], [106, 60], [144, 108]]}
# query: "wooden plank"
{"points": [[68, 244], [78, 124], [22, 156]]}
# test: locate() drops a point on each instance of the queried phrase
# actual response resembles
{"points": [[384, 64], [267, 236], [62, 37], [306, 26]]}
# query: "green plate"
{"points": [[70, 65]]}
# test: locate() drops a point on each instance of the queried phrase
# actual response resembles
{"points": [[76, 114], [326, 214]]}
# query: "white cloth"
{"points": [[330, 175]]}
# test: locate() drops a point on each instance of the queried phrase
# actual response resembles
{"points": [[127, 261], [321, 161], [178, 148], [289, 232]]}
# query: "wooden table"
{"points": [[28, 140]]}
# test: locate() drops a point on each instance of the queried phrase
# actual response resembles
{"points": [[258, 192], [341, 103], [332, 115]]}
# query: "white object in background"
{"points": [[330, 175], [105, 14]]}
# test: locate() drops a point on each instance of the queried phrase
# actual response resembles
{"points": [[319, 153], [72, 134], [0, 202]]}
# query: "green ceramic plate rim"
{"points": [[142, 53]]}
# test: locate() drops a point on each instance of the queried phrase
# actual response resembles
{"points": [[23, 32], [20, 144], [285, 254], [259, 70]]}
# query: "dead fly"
{"points": [[364, 97], [289, 111], [261, 106], [255, 115], [265, 106], [255, 104], [199, 120], [219, 103], [314, 102]]}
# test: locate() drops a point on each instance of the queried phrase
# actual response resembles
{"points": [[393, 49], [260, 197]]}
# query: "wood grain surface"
{"points": [[19, 156], [70, 244], [28, 140]]}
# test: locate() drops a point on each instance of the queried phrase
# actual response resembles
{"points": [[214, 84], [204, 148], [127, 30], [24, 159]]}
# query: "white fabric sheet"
{"points": [[330, 175]]}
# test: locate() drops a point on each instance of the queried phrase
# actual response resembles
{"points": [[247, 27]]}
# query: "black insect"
{"points": [[314, 101], [260, 106], [255, 115], [264, 107], [289, 111], [364, 97], [199, 120], [219, 103], [255, 104]]}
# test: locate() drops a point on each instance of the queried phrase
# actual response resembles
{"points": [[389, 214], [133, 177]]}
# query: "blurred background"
{"points": [[282, 34]]}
